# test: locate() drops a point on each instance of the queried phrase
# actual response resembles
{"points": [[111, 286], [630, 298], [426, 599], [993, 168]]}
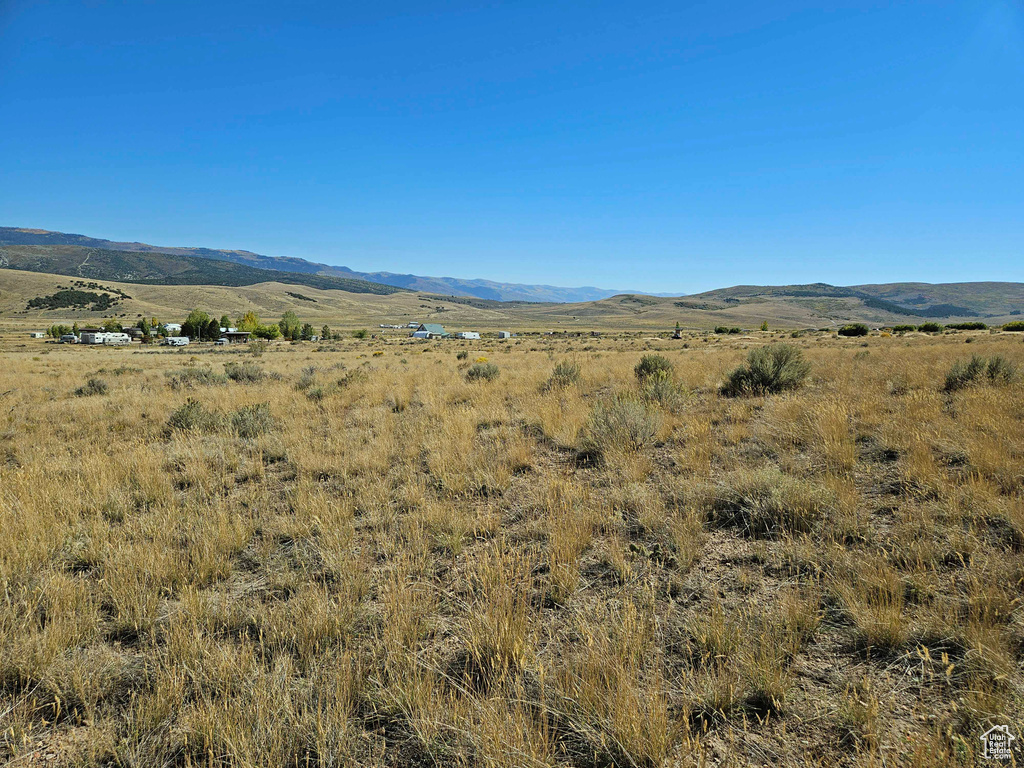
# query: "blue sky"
{"points": [[660, 146]]}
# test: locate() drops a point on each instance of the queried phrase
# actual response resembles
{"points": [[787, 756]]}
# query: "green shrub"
{"points": [[485, 371], [903, 328], [854, 329], [972, 326], [721, 329], [963, 374], [461, 354], [622, 423], [360, 334], [1000, 370], [929, 328], [92, 387], [244, 373], [566, 374], [193, 417], [997, 370], [307, 379], [252, 420], [770, 369], [1016, 325], [650, 365]]}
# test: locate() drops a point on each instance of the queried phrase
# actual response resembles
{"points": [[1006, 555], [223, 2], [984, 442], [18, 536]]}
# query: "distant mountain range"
{"points": [[446, 286], [57, 253]]}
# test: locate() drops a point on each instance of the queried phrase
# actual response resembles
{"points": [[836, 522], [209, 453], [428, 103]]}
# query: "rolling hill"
{"points": [[164, 269], [483, 289]]}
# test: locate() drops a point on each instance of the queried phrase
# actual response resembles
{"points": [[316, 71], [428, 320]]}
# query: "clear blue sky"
{"points": [[661, 146]]}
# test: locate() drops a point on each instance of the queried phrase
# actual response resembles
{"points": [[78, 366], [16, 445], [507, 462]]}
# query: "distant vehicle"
{"points": [[69, 338], [176, 341], [220, 342]]}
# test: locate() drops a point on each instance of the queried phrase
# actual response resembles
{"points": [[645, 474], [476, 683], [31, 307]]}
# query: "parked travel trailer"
{"points": [[467, 335], [176, 341]]}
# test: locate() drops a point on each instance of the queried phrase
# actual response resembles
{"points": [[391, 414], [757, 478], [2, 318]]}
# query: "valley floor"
{"points": [[391, 553]]}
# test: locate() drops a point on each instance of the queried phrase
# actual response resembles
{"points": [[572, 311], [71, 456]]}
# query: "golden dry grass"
{"points": [[392, 565]]}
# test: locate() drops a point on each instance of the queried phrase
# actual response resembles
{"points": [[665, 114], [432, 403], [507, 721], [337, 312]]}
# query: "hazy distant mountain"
{"points": [[452, 286]]}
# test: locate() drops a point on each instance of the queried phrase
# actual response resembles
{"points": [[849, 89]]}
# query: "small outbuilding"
{"points": [[36, 335], [236, 337], [504, 335]]}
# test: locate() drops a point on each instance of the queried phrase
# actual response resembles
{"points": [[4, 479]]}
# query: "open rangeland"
{"points": [[527, 552]]}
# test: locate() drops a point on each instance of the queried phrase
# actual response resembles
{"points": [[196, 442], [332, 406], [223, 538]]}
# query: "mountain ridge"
{"points": [[475, 287]]}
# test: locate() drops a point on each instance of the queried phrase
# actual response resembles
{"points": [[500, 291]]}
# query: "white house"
{"points": [[173, 329]]}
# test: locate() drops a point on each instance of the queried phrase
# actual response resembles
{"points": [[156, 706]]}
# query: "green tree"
{"points": [[225, 322], [307, 332], [143, 325], [764, 326], [111, 325], [290, 325], [267, 332], [212, 330], [195, 324], [325, 333], [74, 329]]}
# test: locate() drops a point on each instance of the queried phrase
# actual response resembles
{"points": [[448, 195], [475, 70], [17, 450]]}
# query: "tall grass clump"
{"points": [[767, 502], [661, 389], [652, 365], [771, 369], [621, 424]]}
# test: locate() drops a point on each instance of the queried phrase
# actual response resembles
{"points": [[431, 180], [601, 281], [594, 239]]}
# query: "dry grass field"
{"points": [[382, 553]]}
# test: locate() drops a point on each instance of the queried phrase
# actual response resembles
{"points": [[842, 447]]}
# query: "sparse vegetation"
{"points": [[353, 560]]}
